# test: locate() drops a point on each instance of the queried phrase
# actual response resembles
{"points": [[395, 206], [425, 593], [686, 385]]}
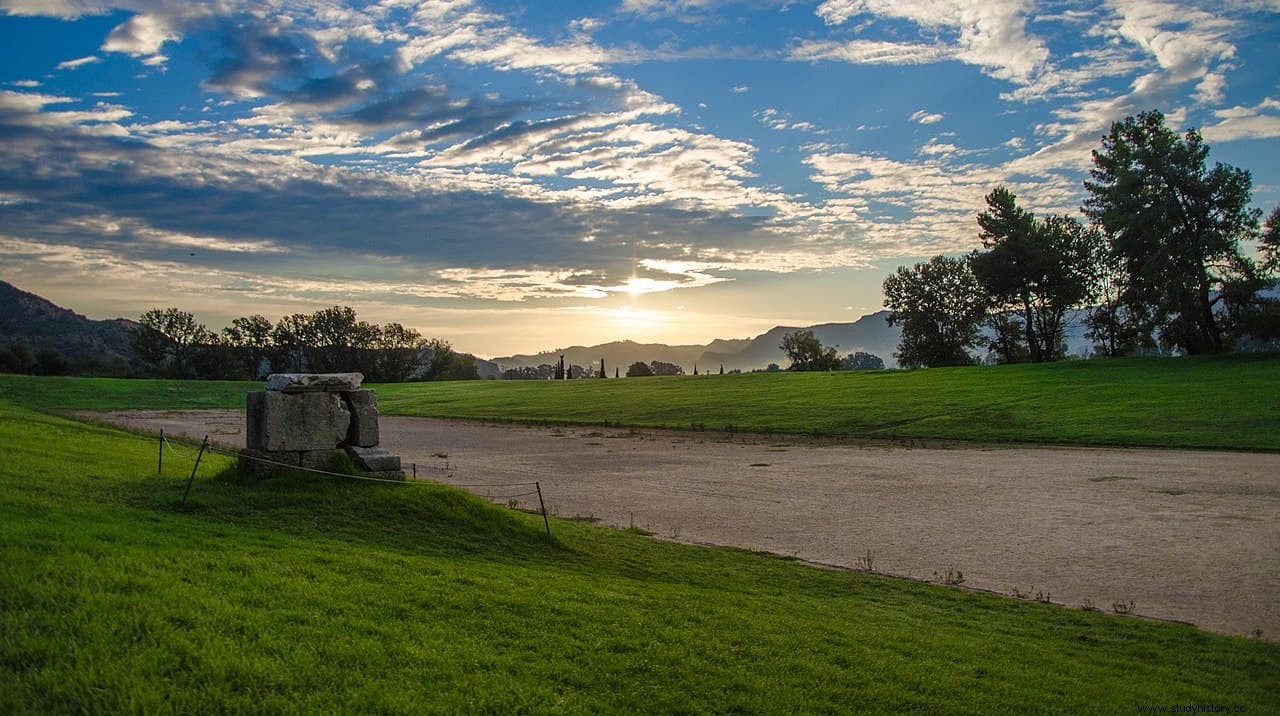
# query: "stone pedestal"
{"points": [[313, 420]]}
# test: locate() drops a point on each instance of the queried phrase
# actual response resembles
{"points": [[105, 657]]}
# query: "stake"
{"points": [[160, 457], [543, 505], [194, 467], [415, 470]]}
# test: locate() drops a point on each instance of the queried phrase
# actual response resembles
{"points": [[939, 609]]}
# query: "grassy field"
{"points": [[1213, 402], [304, 594]]}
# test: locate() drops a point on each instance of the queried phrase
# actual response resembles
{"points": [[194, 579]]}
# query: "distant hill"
{"points": [[869, 333], [41, 323]]}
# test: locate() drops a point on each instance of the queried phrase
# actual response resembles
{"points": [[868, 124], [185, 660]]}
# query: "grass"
{"points": [[1224, 402], [310, 594]]}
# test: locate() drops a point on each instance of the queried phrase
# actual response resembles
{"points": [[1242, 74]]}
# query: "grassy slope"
{"points": [[1223, 402], [1214, 402], [305, 594]]}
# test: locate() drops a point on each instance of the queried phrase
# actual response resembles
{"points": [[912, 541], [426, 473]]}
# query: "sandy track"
{"points": [[1186, 535]]}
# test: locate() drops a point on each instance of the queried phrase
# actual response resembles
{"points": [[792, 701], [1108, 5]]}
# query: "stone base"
{"points": [[251, 461], [374, 459]]}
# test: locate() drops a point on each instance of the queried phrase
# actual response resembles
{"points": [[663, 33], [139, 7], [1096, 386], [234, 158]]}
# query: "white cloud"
{"points": [[1262, 121], [140, 35], [871, 52], [926, 117], [78, 62], [988, 33]]}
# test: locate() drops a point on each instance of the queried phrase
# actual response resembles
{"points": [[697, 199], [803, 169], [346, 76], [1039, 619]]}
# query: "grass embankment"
{"points": [[1228, 402], [305, 594], [1219, 402]]}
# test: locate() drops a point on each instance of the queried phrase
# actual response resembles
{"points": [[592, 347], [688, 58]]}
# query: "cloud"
{"points": [[871, 52], [78, 62], [1261, 121], [988, 33], [139, 36], [925, 117]]}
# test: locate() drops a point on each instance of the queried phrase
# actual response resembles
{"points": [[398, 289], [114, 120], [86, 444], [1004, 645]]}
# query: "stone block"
{"points": [[296, 421], [264, 463], [328, 460], [314, 382], [373, 459], [364, 418]]}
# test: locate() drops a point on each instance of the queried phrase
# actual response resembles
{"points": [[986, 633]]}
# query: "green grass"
{"points": [[1230, 402], [1219, 402], [305, 594]]}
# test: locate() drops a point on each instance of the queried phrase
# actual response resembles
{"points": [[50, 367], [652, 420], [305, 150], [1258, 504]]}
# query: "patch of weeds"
{"points": [[1088, 605], [866, 562], [1122, 608], [1110, 478], [441, 455], [589, 518], [1256, 633], [698, 427], [951, 577], [1044, 597]]}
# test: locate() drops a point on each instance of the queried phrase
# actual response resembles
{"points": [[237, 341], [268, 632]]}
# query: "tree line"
{"points": [[169, 342], [1157, 265]]}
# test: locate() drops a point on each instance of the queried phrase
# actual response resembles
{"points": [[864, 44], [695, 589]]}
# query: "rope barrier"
{"points": [[188, 457], [207, 447]]}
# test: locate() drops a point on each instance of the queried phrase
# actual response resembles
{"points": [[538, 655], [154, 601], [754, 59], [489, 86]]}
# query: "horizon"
{"points": [[504, 177]]}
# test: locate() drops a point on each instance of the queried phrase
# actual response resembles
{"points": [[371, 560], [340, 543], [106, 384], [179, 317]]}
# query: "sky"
{"points": [[515, 177]]}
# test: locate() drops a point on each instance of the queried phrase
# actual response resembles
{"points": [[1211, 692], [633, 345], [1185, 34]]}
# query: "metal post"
{"points": [[160, 457], [543, 505], [415, 471], [194, 467]]}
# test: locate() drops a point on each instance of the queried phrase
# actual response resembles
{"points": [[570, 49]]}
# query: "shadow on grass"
{"points": [[416, 518]]}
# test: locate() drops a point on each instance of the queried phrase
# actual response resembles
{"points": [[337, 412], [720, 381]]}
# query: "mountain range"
{"points": [[871, 334], [42, 323]]}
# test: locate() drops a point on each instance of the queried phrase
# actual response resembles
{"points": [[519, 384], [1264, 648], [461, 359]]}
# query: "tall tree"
{"points": [[249, 337], [807, 353], [167, 339], [940, 306], [1175, 224], [1040, 268]]}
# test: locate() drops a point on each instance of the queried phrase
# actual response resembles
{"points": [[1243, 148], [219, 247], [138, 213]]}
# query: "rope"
{"points": [[189, 457]]}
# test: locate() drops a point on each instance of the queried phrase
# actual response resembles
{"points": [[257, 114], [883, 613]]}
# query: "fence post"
{"points": [[160, 456], [543, 505], [415, 470], [194, 467]]}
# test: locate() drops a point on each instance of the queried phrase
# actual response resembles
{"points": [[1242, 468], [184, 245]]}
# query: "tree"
{"points": [[940, 306], [397, 353], [435, 355], [17, 358], [1041, 268], [291, 341], [167, 339], [249, 338], [860, 360], [638, 370], [660, 368], [807, 353], [1175, 225]]}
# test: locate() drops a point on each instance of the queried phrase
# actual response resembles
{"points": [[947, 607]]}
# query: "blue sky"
{"points": [[520, 176]]}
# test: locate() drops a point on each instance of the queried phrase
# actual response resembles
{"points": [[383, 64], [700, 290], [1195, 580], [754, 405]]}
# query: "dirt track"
{"points": [[1186, 535]]}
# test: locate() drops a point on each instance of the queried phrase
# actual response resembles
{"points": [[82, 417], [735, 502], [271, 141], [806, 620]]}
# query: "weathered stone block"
{"points": [[363, 405], [328, 460], [296, 421], [314, 382], [373, 459], [264, 463]]}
